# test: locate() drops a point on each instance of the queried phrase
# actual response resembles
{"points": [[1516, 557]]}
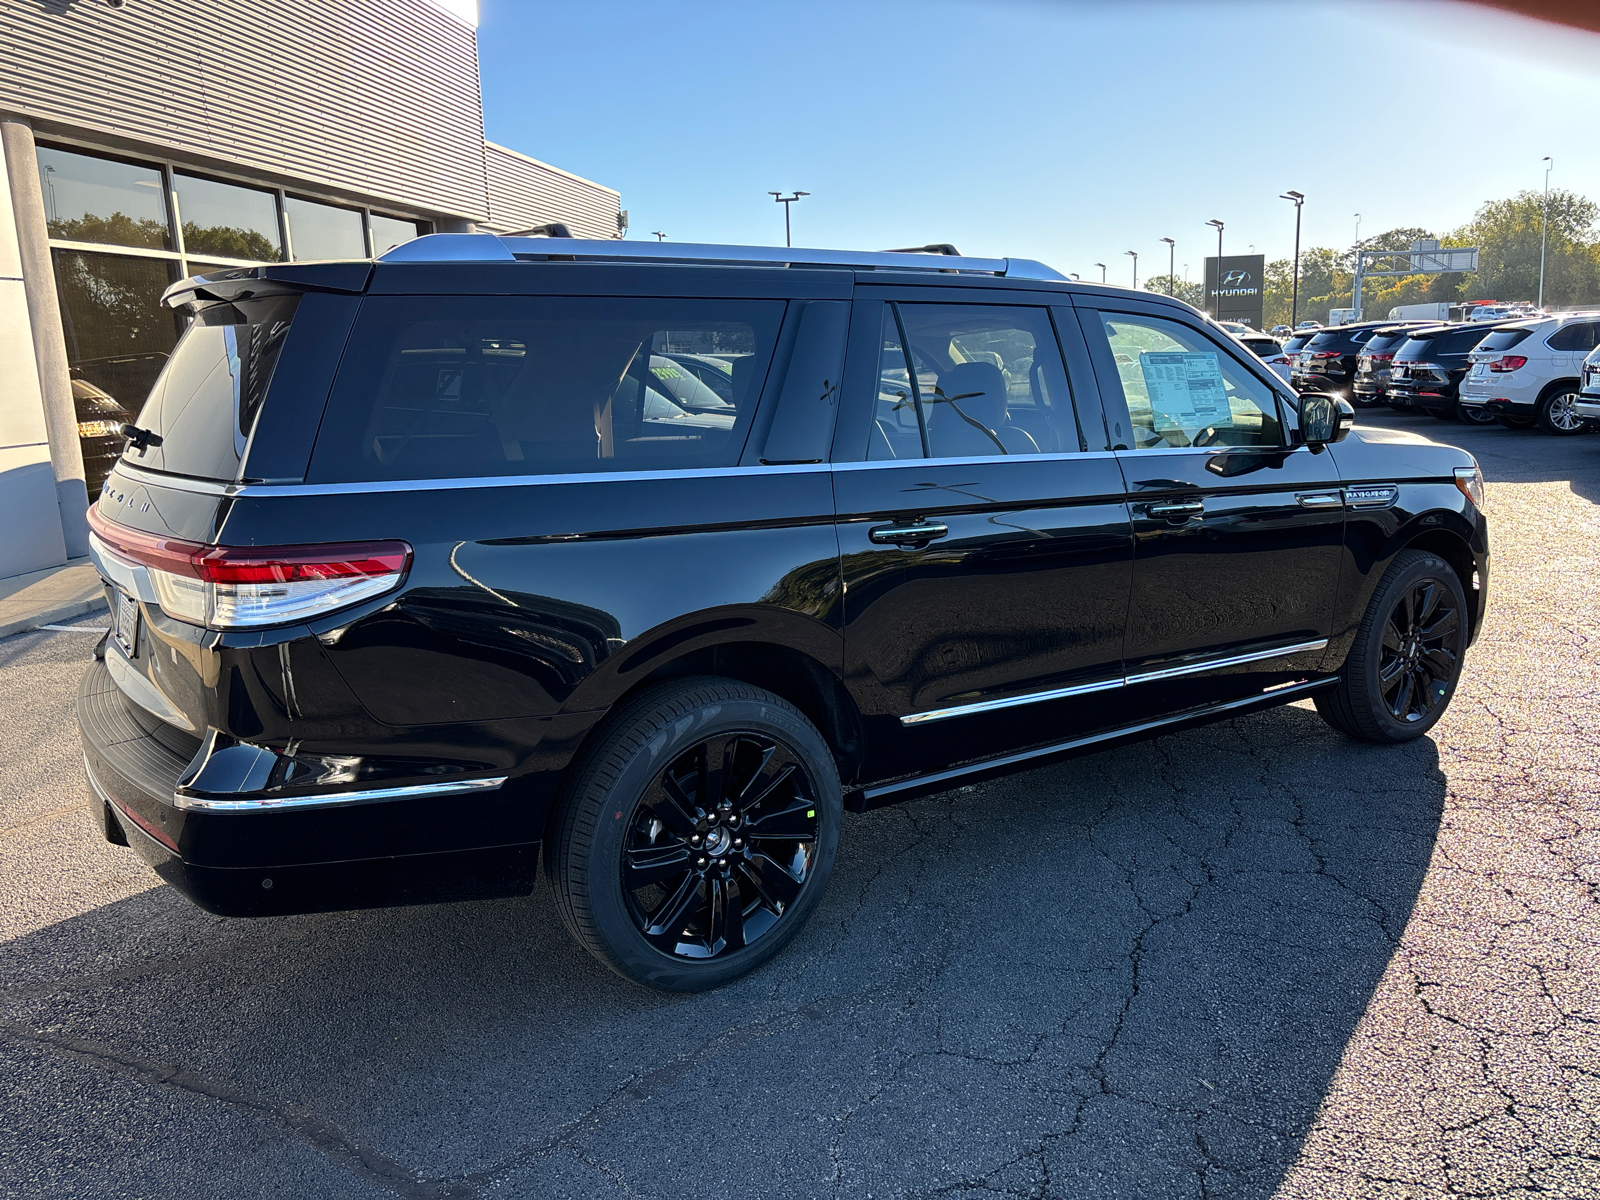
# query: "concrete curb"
{"points": [[61, 594]]}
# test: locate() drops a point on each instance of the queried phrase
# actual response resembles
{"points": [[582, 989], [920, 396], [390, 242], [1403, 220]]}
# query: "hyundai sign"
{"points": [[1238, 296]]}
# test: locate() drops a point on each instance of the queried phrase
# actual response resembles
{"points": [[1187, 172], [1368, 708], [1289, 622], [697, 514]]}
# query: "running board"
{"points": [[990, 768]]}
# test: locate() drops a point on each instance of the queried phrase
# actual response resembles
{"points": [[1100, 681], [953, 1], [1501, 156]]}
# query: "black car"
{"points": [[1327, 363], [417, 577], [1428, 368], [1373, 362]]}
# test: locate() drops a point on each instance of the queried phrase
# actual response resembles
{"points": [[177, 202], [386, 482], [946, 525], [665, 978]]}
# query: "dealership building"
{"points": [[148, 140]]}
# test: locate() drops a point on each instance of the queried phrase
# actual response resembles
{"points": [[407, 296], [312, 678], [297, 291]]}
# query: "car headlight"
{"points": [[1470, 482]]}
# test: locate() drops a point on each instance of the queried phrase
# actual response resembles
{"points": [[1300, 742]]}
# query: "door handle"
{"points": [[907, 535], [1176, 510], [1320, 500]]}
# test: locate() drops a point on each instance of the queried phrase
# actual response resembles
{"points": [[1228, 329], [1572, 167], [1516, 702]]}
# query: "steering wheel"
{"points": [[1206, 436]]}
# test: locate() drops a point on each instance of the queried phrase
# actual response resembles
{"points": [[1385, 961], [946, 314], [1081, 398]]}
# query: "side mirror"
{"points": [[1324, 419]]}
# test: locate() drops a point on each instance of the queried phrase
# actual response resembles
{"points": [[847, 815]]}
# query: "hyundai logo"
{"points": [[1236, 278]]}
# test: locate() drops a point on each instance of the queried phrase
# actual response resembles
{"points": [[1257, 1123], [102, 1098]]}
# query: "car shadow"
{"points": [[1133, 973]]}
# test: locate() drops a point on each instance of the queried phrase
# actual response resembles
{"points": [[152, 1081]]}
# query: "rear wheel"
{"points": [[1475, 414], [697, 835], [1516, 422], [1442, 414], [1556, 412], [1402, 668]]}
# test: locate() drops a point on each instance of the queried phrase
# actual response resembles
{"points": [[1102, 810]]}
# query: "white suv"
{"points": [[1527, 374]]}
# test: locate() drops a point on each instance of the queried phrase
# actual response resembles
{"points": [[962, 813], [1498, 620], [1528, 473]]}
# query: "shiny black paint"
{"points": [[533, 606]]}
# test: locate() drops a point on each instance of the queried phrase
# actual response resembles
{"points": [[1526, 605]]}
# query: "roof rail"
{"points": [[553, 229], [930, 248], [487, 247]]}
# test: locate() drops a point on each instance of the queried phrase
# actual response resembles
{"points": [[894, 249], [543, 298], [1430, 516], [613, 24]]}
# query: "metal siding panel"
{"points": [[524, 192], [378, 98]]}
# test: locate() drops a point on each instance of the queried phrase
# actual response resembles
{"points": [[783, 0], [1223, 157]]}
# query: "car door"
{"points": [[985, 545], [1236, 530]]}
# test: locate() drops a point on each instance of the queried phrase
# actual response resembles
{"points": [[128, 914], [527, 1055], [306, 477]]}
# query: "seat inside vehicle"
{"points": [[968, 416]]}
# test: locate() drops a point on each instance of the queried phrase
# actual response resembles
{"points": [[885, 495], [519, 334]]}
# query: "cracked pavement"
{"points": [[1251, 960]]}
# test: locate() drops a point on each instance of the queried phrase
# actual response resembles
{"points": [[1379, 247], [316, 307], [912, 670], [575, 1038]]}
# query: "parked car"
{"points": [[1371, 384], [1292, 345], [1281, 331], [1587, 405], [422, 594], [1428, 368], [1270, 351], [1327, 363], [1529, 373], [1309, 325]]}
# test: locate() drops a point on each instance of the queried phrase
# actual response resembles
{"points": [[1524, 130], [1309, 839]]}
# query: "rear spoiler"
{"points": [[269, 279]]}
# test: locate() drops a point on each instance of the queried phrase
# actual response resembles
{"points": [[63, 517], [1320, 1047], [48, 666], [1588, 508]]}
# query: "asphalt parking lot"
{"points": [[1251, 960]]}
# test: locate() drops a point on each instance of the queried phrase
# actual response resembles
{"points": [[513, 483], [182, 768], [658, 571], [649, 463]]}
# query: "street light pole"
{"points": [[659, 236], [1172, 263], [1135, 254], [1294, 304], [1544, 226], [1216, 293], [780, 198], [1102, 267]]}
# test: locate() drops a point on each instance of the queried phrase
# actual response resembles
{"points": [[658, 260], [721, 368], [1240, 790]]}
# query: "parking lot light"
{"points": [[1135, 255], [1217, 294], [1172, 264], [1544, 223], [1102, 267], [1298, 199]]}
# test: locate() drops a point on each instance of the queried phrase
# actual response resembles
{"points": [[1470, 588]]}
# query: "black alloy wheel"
{"points": [[696, 834], [1475, 414], [1442, 414], [1402, 668], [720, 846], [1557, 414], [1516, 422]]}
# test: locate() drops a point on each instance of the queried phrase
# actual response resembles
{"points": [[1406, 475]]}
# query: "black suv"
{"points": [[1428, 368], [1372, 363], [424, 568], [1327, 363]]}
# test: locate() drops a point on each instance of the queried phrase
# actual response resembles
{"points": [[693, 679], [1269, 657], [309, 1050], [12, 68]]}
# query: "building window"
{"points": [[226, 221], [116, 249], [103, 200], [323, 231]]}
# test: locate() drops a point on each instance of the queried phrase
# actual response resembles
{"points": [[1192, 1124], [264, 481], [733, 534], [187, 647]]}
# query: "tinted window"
{"points": [[1296, 343], [1458, 342], [323, 231], [1381, 343], [436, 388], [93, 199], [205, 403], [1182, 389], [228, 221], [1504, 339], [988, 380], [389, 232], [1580, 335]]}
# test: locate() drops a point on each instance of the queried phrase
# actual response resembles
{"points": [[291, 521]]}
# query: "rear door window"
{"points": [[454, 387], [204, 403], [1580, 336]]}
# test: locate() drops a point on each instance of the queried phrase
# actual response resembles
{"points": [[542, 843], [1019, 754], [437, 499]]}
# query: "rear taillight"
{"points": [[1280, 360], [1381, 357], [235, 587], [1324, 354], [1508, 362]]}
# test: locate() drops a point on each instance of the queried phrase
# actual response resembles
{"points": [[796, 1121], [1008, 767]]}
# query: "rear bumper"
{"points": [[254, 861], [1424, 396]]}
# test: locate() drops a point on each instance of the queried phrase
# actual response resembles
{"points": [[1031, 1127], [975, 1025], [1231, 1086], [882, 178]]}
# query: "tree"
{"points": [[1190, 293], [1506, 233]]}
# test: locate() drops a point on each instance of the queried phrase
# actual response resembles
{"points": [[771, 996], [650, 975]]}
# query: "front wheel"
{"points": [[1558, 414], [697, 836], [1402, 668], [1516, 422]]}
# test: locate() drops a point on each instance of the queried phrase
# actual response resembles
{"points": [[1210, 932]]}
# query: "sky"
{"points": [[1064, 131]]}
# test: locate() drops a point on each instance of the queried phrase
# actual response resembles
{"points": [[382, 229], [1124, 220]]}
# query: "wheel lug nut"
{"points": [[737, 842], [695, 840], [722, 862], [701, 861]]}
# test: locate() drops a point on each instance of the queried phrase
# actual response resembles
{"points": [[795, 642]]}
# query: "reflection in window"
{"points": [[92, 199], [323, 231], [118, 338], [389, 232], [228, 221]]}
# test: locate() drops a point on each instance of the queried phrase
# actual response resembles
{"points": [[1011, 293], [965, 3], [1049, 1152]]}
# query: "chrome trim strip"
{"points": [[976, 460], [1107, 685], [965, 710], [1005, 760], [180, 483], [340, 799], [1231, 660]]}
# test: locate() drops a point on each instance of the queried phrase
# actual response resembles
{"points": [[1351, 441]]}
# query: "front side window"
{"points": [[970, 381], [434, 388], [1183, 389]]}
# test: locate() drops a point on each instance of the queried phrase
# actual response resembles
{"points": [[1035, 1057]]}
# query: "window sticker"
{"points": [[1186, 388]]}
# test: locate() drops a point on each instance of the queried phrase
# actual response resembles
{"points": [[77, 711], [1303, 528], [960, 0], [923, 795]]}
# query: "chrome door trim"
{"points": [[1228, 660], [1279, 694], [336, 799], [1107, 685]]}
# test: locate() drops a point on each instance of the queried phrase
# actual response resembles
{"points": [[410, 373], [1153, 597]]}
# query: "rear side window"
{"points": [[452, 387], [1580, 335], [204, 404], [1504, 339]]}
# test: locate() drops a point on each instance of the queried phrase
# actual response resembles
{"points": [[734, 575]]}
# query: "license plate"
{"points": [[127, 623], [1397, 372], [1480, 368]]}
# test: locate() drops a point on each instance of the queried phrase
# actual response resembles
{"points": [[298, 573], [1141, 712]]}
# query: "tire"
{"points": [[1554, 413], [1442, 414], [1516, 422], [1401, 672], [656, 878], [1476, 415]]}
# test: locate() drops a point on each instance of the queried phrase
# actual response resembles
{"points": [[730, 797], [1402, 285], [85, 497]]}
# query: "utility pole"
{"points": [[1544, 226], [1216, 294], [1102, 267], [1294, 304], [1355, 279], [1172, 262], [1135, 254], [780, 198]]}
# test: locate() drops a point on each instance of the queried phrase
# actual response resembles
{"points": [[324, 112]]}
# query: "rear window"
{"points": [[1383, 342], [1504, 339], [1458, 341], [204, 403], [1297, 342], [452, 387]]}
